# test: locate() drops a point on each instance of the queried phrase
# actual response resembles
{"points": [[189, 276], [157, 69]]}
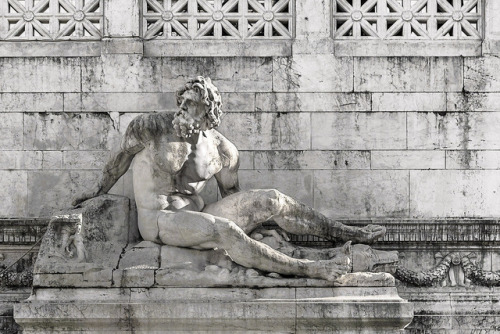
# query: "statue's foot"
{"points": [[330, 270], [368, 234]]}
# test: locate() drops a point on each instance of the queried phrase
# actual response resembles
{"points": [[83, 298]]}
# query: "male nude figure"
{"points": [[175, 155]]}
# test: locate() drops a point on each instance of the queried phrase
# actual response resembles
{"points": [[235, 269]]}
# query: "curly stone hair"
{"points": [[209, 95]]}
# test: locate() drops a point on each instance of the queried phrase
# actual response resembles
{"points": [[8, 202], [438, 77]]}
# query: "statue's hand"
{"points": [[81, 198], [368, 234]]}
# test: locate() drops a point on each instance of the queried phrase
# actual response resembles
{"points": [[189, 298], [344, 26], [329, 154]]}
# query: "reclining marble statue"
{"points": [[174, 157]]}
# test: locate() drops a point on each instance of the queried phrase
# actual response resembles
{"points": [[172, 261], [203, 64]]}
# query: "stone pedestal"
{"points": [[376, 309], [93, 276]]}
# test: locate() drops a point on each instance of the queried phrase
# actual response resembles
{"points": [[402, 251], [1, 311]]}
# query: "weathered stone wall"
{"points": [[353, 135]]}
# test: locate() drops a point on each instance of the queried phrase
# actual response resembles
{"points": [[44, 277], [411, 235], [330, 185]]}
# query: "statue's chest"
{"points": [[199, 162]]}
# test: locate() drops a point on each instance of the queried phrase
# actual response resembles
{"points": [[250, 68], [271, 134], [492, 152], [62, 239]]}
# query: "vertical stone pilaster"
{"points": [[312, 27], [122, 27], [491, 44]]}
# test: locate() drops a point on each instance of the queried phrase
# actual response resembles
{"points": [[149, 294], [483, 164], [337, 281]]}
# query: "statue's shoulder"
{"points": [[149, 126], [226, 148]]}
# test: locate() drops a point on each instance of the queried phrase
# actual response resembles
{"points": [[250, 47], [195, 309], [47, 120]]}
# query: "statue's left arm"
{"points": [[227, 178]]}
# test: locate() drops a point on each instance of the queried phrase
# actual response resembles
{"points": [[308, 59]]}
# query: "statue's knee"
{"points": [[227, 230], [273, 199]]}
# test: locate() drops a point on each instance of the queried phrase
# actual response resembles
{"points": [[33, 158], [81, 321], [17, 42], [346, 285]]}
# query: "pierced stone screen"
{"points": [[407, 19], [51, 19], [216, 19]]}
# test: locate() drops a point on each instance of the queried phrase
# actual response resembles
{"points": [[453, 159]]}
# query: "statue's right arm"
{"points": [[114, 168]]}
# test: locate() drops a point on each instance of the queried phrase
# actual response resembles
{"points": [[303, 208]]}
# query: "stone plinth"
{"points": [[375, 309], [91, 276]]}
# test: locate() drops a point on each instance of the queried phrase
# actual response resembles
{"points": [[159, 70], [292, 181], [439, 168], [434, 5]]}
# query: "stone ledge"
{"points": [[410, 48], [148, 48], [217, 48], [339, 310], [50, 49]]}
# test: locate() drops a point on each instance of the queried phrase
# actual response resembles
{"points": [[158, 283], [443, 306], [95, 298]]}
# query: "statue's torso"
{"points": [[169, 173]]}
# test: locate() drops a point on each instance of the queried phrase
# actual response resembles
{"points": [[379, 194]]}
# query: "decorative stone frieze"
{"points": [[51, 20], [391, 19], [218, 19]]}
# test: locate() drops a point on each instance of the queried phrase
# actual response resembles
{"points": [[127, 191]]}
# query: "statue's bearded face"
{"points": [[191, 118]]}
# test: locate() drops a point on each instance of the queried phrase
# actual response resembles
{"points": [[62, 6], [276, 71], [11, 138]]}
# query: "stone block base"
{"points": [[209, 310]]}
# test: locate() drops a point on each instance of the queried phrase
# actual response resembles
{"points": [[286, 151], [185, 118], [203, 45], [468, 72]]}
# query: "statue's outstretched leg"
{"points": [[203, 231], [249, 209]]}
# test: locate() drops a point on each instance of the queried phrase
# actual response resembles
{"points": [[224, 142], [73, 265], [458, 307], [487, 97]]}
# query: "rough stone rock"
{"points": [[83, 245]]}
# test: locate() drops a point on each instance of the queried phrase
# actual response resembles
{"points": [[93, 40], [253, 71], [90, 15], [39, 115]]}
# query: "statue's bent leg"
{"points": [[250, 208], [203, 231]]}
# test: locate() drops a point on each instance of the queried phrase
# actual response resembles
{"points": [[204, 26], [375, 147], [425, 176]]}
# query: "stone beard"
{"points": [[185, 125]]}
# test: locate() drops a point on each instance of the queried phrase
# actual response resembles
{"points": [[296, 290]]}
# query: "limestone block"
{"points": [[84, 159], [97, 276], [471, 159], [51, 131], [408, 74], [142, 278], [42, 74], [408, 159], [13, 184], [304, 160], [358, 131], [51, 190], [121, 102], [246, 160], [145, 255], [21, 159], [313, 73], [229, 74], [409, 101], [70, 131], [480, 74], [103, 279], [11, 131], [52, 160], [147, 102], [478, 130], [57, 280], [122, 19], [237, 102], [454, 193], [361, 193], [31, 102], [298, 184], [473, 102], [313, 102], [121, 73], [266, 131]]}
